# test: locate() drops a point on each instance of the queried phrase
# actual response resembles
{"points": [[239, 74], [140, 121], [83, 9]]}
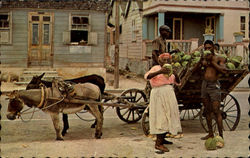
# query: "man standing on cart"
{"points": [[210, 89], [159, 44]]}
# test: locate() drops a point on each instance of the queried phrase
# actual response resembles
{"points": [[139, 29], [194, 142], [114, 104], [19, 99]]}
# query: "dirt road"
{"points": [[37, 137]]}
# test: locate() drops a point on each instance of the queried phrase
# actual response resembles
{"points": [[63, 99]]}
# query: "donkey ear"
{"points": [[41, 76], [11, 95]]}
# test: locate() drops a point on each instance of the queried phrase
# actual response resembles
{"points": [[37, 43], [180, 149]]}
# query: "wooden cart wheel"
{"points": [[230, 110], [145, 122], [190, 111], [134, 114]]}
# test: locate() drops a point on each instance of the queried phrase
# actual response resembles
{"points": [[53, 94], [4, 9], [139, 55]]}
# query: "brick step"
{"points": [[39, 72], [28, 75]]}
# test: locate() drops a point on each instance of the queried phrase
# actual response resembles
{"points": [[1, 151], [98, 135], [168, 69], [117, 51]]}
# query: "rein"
{"points": [[41, 104]]}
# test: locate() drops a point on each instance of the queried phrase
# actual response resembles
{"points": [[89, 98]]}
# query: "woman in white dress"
{"points": [[163, 107]]}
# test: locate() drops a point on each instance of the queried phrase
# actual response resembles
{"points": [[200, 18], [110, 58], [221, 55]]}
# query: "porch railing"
{"points": [[246, 55], [233, 50], [186, 46], [182, 45]]}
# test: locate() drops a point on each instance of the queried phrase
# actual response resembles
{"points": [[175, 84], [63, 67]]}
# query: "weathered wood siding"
{"points": [[15, 54], [62, 55], [131, 49]]}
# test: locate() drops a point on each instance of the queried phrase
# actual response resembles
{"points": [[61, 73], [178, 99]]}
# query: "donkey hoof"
{"points": [[60, 139], [98, 136], [63, 133]]}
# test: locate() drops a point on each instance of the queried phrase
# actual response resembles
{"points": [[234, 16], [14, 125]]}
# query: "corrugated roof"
{"points": [[98, 5]]}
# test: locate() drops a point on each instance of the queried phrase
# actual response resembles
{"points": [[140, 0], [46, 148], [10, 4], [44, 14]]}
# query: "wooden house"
{"points": [[190, 22], [130, 37], [67, 36]]}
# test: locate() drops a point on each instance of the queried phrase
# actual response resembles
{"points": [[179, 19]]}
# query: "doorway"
{"points": [[40, 39]]}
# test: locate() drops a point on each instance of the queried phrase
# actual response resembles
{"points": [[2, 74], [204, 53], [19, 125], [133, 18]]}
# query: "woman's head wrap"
{"points": [[165, 55]]}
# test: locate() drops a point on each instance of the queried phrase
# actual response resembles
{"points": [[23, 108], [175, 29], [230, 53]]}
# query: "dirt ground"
{"points": [[120, 139]]}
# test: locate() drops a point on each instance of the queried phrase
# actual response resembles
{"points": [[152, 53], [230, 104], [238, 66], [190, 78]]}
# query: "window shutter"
{"points": [[4, 37], [66, 37], [92, 38]]}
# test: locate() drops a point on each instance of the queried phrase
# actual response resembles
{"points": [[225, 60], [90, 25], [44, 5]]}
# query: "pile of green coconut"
{"points": [[214, 143], [181, 59]]}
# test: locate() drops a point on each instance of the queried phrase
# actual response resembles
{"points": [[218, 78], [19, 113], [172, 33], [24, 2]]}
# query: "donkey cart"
{"points": [[132, 104], [190, 103]]}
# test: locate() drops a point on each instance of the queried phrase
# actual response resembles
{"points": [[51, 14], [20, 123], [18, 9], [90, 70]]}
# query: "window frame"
{"points": [[174, 29], [83, 28], [9, 29], [244, 25]]}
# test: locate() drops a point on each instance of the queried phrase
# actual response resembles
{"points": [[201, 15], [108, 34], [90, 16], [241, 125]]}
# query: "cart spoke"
{"points": [[138, 99], [193, 113], [128, 115], [227, 124], [133, 114], [231, 107], [184, 115], [125, 112], [138, 113], [214, 126], [225, 104], [231, 110], [135, 97], [230, 120], [231, 116]]}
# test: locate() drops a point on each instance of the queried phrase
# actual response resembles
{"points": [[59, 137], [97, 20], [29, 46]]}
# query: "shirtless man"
{"points": [[210, 89]]}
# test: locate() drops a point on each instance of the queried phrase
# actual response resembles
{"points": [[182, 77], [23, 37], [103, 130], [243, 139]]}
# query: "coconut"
{"points": [[168, 66], [176, 58], [223, 56], [236, 62], [177, 64], [239, 58], [186, 57], [230, 66], [181, 53], [206, 52], [219, 141], [210, 144], [196, 60], [197, 54], [184, 63]]}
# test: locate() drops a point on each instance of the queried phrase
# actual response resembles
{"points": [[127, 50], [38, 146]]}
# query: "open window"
{"points": [[80, 31], [5, 28]]}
